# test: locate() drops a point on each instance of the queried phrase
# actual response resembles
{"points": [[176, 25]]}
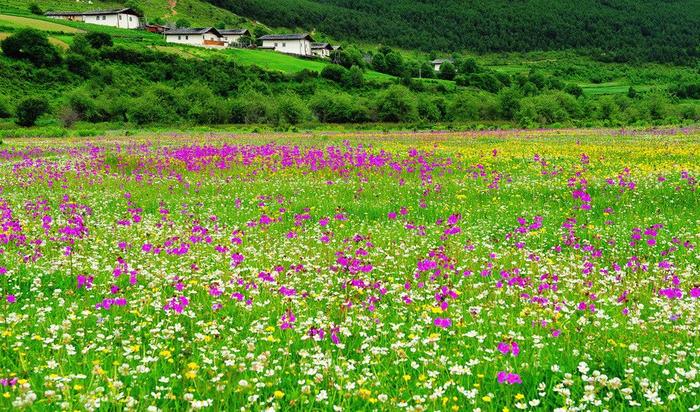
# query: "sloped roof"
{"points": [[237, 32], [92, 13], [302, 36], [196, 30], [320, 46]]}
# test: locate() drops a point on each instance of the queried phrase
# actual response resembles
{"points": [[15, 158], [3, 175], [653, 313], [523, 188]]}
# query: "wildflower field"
{"points": [[493, 271]]}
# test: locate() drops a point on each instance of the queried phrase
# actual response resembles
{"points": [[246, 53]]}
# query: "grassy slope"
{"points": [[197, 12]]}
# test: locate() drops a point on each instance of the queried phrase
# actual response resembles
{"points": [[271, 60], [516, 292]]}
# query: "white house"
{"points": [[202, 37], [323, 50], [122, 18], [299, 44], [437, 63], [232, 37]]}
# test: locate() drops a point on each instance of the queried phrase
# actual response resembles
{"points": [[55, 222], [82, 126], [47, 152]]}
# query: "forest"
{"points": [[609, 30]]}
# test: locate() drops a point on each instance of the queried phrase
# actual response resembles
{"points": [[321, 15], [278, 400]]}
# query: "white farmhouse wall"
{"points": [[299, 47], [123, 21]]}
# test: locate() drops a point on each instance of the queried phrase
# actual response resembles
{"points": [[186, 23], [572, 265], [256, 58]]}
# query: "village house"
{"points": [[321, 49], [437, 63], [233, 37], [122, 18], [202, 37], [299, 44]]}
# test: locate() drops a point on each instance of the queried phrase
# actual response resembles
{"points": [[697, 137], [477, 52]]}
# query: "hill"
{"points": [[612, 30], [196, 12]]}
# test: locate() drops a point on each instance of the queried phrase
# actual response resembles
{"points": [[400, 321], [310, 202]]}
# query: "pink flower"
{"points": [[443, 322]]}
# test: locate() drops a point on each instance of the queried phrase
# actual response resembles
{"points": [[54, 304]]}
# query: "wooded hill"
{"points": [[610, 30]]}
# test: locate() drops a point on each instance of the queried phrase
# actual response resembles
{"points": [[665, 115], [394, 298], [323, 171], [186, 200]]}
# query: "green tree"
{"points": [[29, 109], [32, 45], [447, 71], [396, 104]]}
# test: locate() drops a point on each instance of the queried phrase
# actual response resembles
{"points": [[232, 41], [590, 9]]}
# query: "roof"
{"points": [[93, 12], [302, 36], [239, 32], [197, 30], [319, 46]]}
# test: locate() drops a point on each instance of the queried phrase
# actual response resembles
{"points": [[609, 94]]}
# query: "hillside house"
{"points": [[202, 37], [123, 18], [299, 44], [321, 49], [437, 63], [232, 37]]}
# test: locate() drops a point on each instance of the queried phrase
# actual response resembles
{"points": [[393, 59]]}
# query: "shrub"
{"points": [[29, 109], [396, 104], [32, 45], [35, 9], [5, 111], [334, 72], [98, 39], [447, 71], [78, 64], [291, 110]]}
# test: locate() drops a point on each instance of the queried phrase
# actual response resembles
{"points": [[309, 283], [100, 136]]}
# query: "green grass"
{"points": [[35, 23]]}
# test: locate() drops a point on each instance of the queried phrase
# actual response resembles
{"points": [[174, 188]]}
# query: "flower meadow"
{"points": [[492, 271]]}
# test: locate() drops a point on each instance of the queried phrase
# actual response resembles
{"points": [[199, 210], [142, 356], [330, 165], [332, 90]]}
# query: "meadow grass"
{"points": [[357, 271]]}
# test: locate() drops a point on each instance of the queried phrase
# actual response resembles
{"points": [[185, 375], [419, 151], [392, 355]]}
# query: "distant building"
{"points": [[202, 37], [437, 63], [299, 44], [122, 18], [321, 49], [233, 37]]}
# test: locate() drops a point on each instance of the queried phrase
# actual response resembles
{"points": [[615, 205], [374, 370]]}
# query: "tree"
{"points": [[35, 9], [394, 64], [334, 72], [354, 77], [447, 71], [29, 109], [396, 104], [98, 39], [32, 45]]}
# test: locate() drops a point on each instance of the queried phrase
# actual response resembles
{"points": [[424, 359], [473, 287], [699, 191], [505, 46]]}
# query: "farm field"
{"points": [[509, 270]]}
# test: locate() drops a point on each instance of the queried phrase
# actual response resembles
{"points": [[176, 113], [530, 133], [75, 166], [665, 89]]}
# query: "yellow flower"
{"points": [[279, 394]]}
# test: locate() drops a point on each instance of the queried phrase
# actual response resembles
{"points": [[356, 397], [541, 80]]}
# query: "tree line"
{"points": [[98, 81]]}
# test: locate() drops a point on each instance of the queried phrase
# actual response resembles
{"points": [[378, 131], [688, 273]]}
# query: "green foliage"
{"points": [[447, 71], [35, 9], [334, 72], [5, 110], [396, 104], [339, 108], [98, 39], [29, 109], [612, 30], [32, 45]]}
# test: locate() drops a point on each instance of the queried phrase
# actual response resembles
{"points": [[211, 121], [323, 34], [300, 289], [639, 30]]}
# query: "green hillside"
{"points": [[197, 12], [612, 30]]}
